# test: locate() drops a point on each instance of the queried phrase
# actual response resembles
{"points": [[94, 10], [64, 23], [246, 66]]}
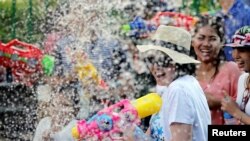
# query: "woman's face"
{"points": [[161, 68], [207, 44], [238, 59], [244, 55]]}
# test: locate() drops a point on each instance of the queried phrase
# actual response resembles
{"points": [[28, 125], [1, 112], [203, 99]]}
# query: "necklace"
{"points": [[245, 99]]}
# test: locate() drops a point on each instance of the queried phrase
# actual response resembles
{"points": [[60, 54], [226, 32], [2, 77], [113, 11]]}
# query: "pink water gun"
{"points": [[107, 124]]}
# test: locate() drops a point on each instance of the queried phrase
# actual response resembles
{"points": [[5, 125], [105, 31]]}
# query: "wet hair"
{"points": [[217, 24], [185, 69], [180, 69]]}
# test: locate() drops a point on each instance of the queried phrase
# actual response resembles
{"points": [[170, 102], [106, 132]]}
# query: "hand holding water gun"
{"points": [[24, 59], [109, 122]]}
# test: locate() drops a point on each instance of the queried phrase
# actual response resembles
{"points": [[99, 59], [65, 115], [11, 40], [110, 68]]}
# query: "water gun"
{"points": [[138, 28], [174, 19], [24, 59], [107, 123]]}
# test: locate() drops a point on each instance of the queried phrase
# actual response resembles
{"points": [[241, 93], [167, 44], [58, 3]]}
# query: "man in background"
{"points": [[236, 15]]}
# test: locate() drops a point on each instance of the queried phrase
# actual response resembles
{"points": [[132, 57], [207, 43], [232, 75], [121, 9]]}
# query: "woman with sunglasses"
{"points": [[214, 74], [184, 114], [241, 108]]}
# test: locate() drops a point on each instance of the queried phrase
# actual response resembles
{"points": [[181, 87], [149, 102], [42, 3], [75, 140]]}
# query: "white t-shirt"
{"points": [[241, 91], [183, 102]]}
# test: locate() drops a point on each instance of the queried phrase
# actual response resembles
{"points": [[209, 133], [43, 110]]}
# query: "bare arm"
{"points": [[148, 131], [181, 132], [242, 117], [232, 108], [213, 102], [236, 112]]}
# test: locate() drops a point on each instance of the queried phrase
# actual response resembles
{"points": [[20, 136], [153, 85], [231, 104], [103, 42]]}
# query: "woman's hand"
{"points": [[128, 132], [135, 133], [228, 105]]}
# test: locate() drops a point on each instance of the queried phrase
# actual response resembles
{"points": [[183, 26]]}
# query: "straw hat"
{"points": [[172, 35]]}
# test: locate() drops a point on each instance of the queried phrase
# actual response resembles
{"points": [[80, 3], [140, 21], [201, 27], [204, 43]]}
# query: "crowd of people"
{"points": [[189, 70]]}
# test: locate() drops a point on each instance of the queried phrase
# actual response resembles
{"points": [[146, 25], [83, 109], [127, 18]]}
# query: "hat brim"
{"points": [[177, 57], [234, 45]]}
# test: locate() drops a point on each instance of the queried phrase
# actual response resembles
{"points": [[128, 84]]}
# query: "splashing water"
{"points": [[82, 31], [82, 21]]}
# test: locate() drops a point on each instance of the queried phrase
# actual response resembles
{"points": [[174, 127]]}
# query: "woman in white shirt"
{"points": [[185, 114], [241, 108]]}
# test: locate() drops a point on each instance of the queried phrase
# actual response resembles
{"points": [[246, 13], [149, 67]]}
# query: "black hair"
{"points": [[185, 69], [217, 24], [182, 69]]}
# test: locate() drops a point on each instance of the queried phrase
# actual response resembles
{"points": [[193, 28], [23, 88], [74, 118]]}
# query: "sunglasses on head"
{"points": [[160, 61]]}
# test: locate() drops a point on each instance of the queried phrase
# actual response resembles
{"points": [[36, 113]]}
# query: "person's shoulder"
{"points": [[182, 82], [243, 76], [230, 65], [230, 68], [184, 88], [45, 120]]}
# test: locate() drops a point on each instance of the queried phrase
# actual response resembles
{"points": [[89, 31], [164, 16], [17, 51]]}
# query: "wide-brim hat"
{"points": [[176, 36], [241, 38]]}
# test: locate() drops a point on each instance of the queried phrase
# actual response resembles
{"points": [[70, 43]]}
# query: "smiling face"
{"points": [[244, 55], [207, 44], [161, 67], [238, 59]]}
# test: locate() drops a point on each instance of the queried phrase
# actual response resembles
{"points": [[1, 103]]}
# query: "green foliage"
{"points": [[22, 19], [200, 7]]}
